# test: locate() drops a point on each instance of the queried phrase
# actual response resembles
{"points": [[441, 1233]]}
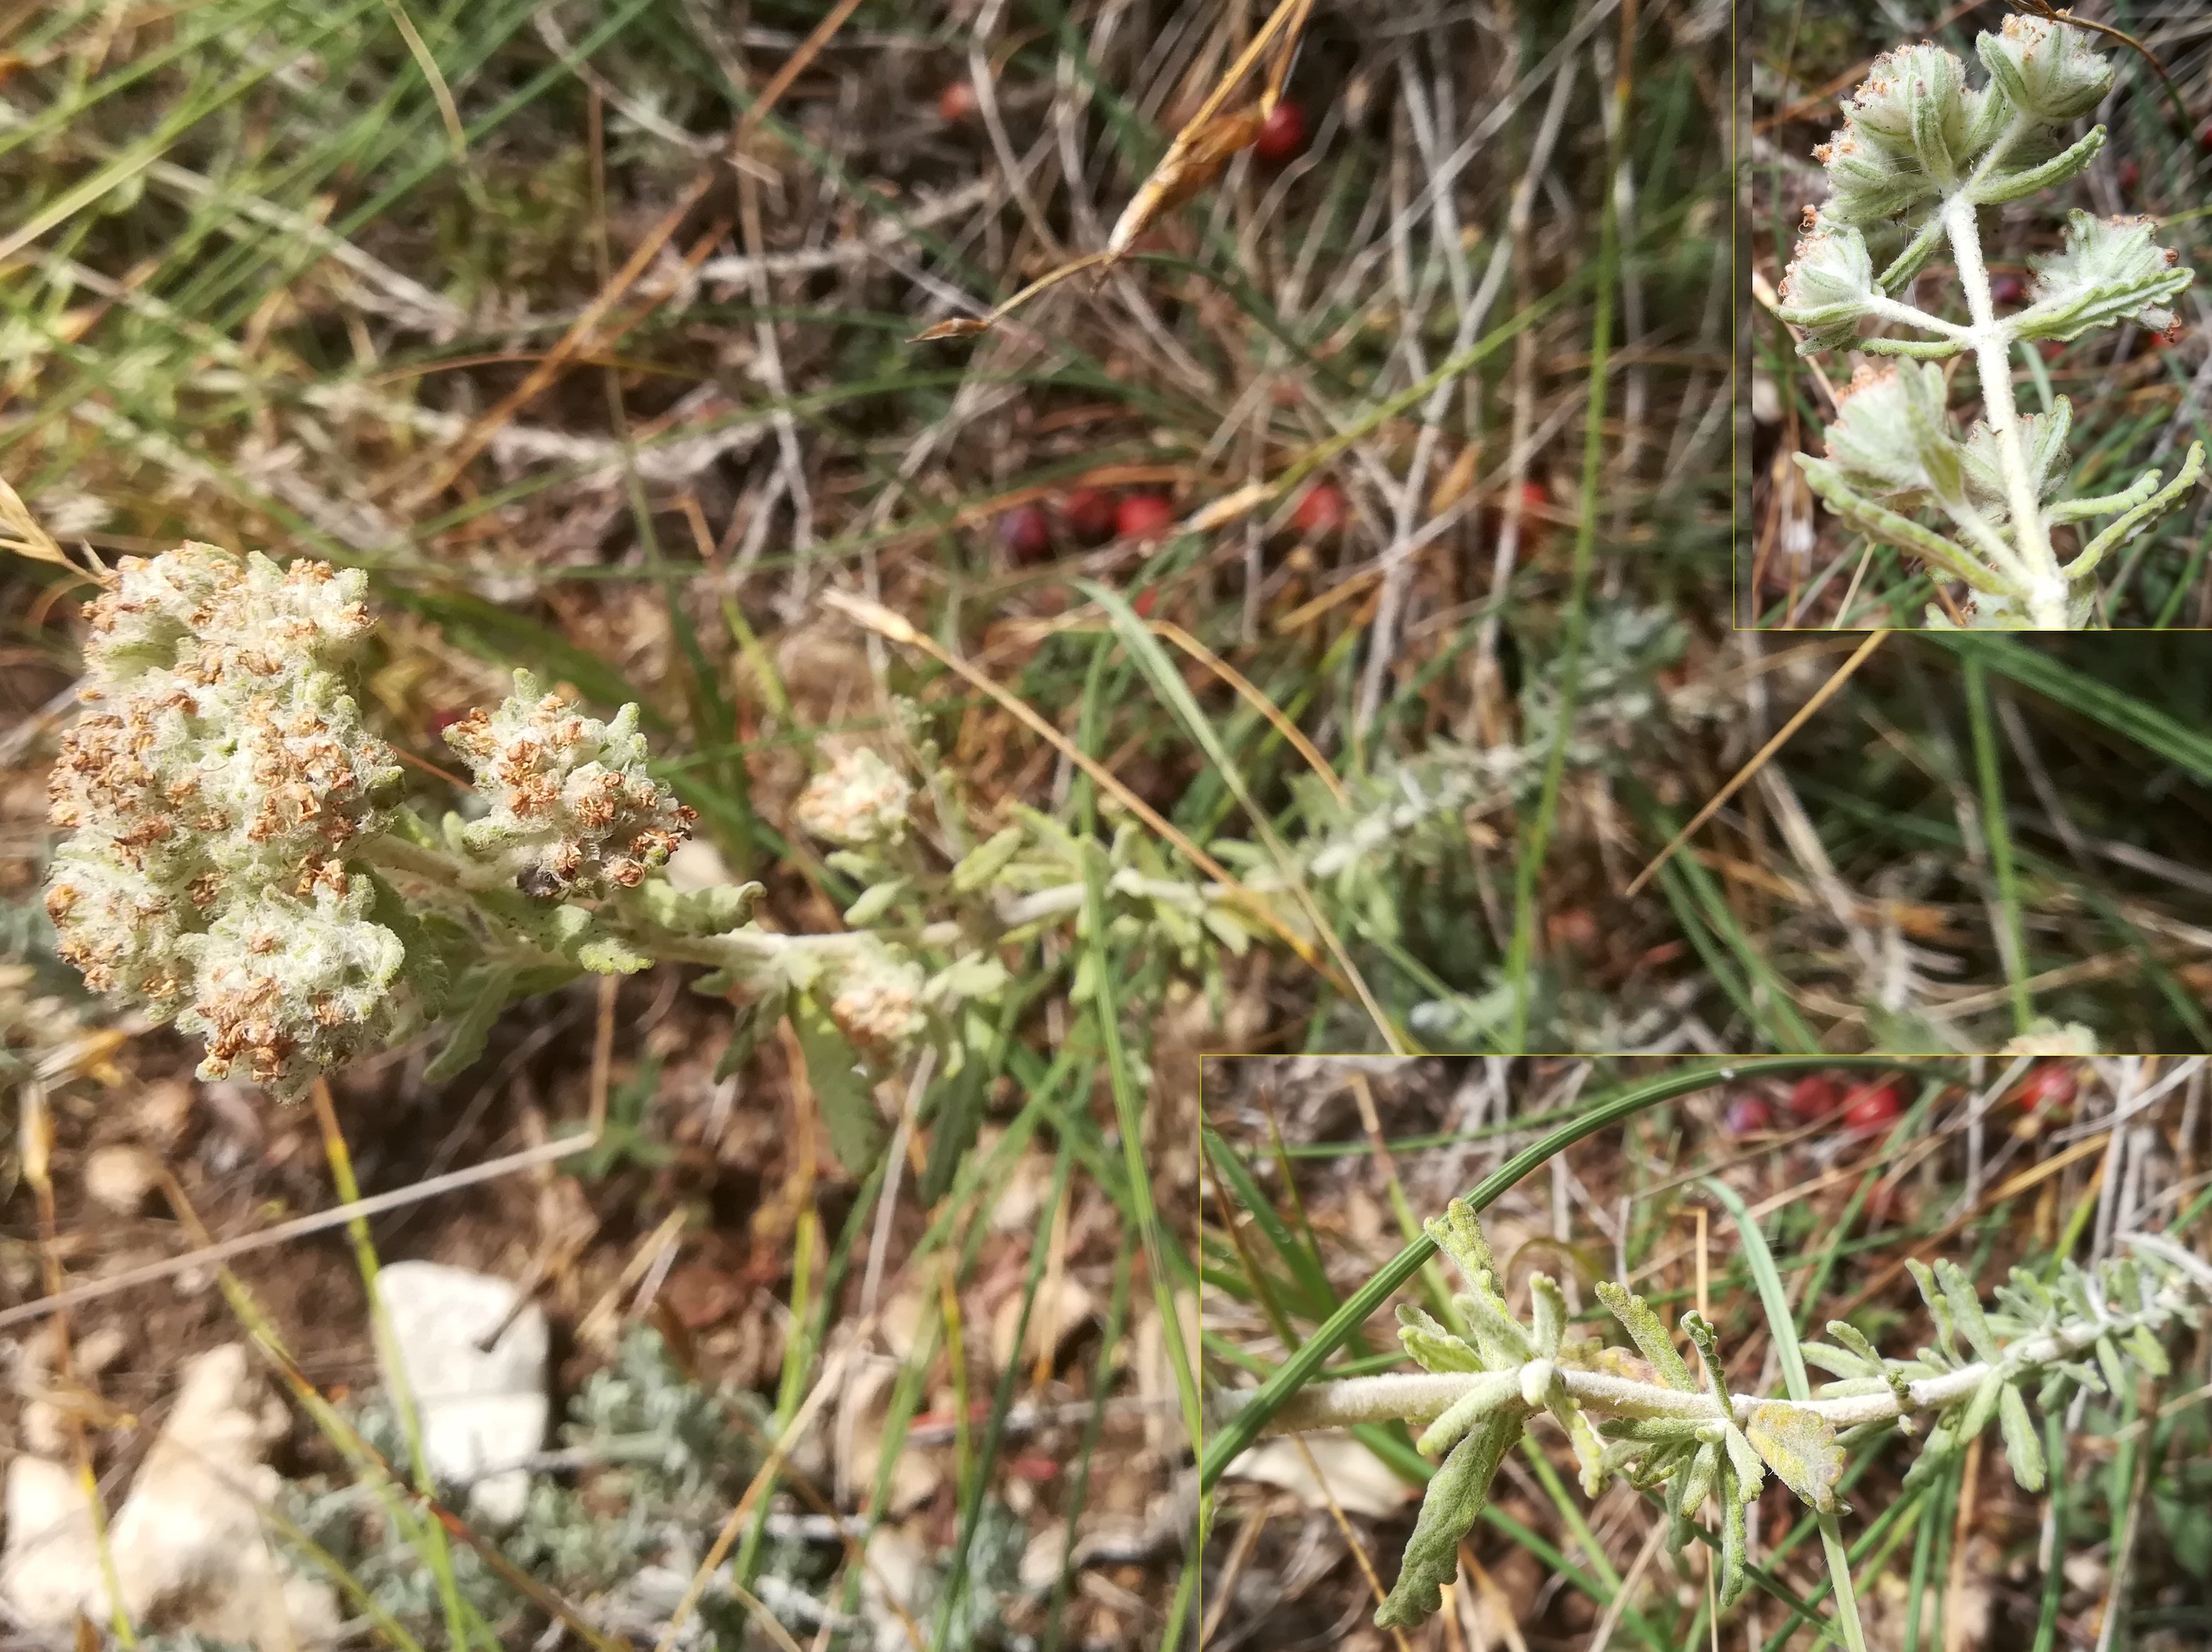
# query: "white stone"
{"points": [[120, 1178], [188, 1547], [1351, 1476], [50, 1564], [482, 1410]]}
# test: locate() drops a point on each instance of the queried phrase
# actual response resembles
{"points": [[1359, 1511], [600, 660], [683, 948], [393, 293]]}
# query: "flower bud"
{"points": [[877, 1000], [1904, 89], [290, 987], [857, 801], [1911, 128], [221, 621], [1889, 425], [2109, 271], [2047, 69], [211, 792], [1870, 180], [1829, 283], [572, 811]]}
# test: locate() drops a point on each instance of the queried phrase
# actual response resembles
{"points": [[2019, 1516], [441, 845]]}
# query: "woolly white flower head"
{"points": [[572, 811], [858, 801], [220, 769], [877, 999]]}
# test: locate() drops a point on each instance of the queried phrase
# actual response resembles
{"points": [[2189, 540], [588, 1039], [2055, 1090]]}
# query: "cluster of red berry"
{"points": [[1819, 1097], [1092, 516], [2045, 1095], [1085, 516]]}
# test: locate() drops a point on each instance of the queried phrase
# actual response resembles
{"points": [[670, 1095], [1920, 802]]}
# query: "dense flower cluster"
{"points": [[572, 811], [212, 790], [857, 802], [876, 999]]}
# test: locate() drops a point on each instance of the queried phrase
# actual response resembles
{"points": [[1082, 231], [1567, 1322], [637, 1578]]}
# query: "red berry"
{"points": [[1872, 1105], [1320, 512], [1142, 516], [1024, 534], [1090, 514], [2005, 289], [1747, 1115], [1146, 601], [1816, 1096], [956, 102], [2130, 173], [1282, 136], [2049, 1089]]}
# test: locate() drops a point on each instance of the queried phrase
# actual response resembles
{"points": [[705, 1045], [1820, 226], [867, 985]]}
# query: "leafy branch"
{"points": [[241, 856], [1921, 153], [1663, 1424]]}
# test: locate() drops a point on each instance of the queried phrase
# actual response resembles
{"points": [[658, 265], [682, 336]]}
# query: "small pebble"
{"points": [[120, 1178]]}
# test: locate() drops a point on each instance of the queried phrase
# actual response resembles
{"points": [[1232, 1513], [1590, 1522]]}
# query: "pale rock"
{"points": [[2085, 1572], [1350, 1474], [43, 1430], [188, 1543], [857, 1441], [51, 1563], [1021, 1195], [120, 1178], [482, 1410], [1057, 1314], [163, 1109], [95, 1351], [188, 1547], [1154, 1366], [896, 1571], [1044, 1557]]}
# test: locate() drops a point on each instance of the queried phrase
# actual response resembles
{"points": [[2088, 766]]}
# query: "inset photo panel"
{"points": [[1590, 1353], [1978, 357]]}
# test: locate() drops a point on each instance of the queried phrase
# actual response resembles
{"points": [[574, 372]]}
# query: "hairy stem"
{"points": [[1422, 1398], [1992, 346]]}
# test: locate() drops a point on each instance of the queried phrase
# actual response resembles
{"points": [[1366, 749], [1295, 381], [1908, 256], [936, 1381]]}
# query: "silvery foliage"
{"points": [[1652, 1420], [240, 857], [652, 1461], [1921, 154]]}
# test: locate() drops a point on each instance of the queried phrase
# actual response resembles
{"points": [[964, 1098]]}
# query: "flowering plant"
{"points": [[241, 858], [1922, 154]]}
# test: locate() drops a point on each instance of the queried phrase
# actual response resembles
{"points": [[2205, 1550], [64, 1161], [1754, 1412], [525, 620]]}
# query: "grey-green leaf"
{"points": [[1458, 1233], [1455, 1502], [1649, 1336], [842, 1091], [1483, 1396], [1734, 1548], [1800, 1446], [1939, 1306], [485, 990], [1548, 1319], [1967, 1308], [2022, 1449], [983, 863], [1434, 1348]]}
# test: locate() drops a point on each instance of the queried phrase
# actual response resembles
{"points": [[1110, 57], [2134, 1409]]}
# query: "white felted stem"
{"points": [[1992, 345], [1422, 1398]]}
